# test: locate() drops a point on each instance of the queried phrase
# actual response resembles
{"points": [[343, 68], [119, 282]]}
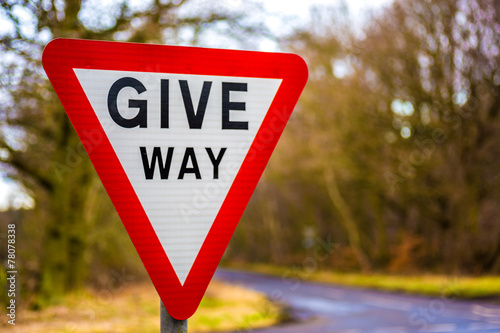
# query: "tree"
{"points": [[38, 145], [438, 60], [396, 133]]}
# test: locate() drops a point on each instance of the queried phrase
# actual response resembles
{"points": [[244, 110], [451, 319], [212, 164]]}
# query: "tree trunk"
{"points": [[64, 266], [347, 220], [381, 251]]}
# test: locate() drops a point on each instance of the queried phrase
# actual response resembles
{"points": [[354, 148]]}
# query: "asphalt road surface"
{"points": [[326, 308]]}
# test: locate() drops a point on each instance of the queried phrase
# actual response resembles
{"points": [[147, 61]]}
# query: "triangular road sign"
{"points": [[179, 137]]}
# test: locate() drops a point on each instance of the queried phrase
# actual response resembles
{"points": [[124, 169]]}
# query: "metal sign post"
{"points": [[170, 324]]}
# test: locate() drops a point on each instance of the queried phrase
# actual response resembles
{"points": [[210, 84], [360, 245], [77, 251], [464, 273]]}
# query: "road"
{"points": [[327, 308]]}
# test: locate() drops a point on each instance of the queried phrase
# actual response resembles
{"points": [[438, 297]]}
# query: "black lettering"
{"points": [[164, 104], [141, 118], [216, 161], [149, 168], [227, 106], [189, 154], [195, 120]]}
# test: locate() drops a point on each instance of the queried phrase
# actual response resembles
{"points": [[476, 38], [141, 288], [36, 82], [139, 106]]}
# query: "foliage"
{"points": [[393, 151]]}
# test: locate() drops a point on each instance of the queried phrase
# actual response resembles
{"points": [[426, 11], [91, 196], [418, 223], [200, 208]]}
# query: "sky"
{"points": [[298, 12]]}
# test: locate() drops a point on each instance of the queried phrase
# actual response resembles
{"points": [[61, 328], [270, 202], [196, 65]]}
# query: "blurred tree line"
{"points": [[390, 157], [393, 153]]}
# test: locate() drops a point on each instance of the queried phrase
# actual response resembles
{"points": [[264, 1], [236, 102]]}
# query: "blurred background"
{"points": [[391, 157]]}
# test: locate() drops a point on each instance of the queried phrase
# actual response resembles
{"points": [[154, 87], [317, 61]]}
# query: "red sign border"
{"points": [[61, 56]]}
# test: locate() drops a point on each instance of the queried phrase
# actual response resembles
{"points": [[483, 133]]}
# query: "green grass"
{"points": [[461, 287]]}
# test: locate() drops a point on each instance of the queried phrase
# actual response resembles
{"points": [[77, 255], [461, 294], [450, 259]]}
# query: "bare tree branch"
{"points": [[22, 166]]}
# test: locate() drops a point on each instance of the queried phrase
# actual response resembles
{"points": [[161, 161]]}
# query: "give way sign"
{"points": [[179, 137]]}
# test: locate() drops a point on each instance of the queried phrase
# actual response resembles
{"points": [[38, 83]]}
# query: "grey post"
{"points": [[170, 324]]}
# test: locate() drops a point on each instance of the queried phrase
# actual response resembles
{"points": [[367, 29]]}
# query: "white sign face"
{"points": [[181, 140]]}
